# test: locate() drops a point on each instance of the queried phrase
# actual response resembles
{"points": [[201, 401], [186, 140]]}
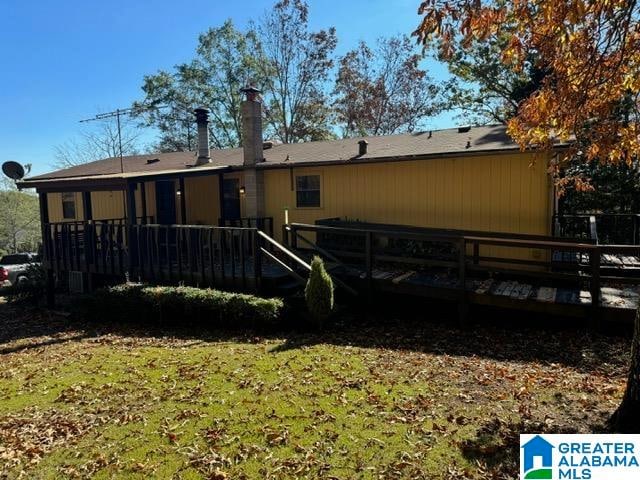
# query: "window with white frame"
{"points": [[307, 191]]}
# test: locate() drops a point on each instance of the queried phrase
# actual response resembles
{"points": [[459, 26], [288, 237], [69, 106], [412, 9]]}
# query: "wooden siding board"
{"points": [[203, 200], [54, 204], [498, 193]]}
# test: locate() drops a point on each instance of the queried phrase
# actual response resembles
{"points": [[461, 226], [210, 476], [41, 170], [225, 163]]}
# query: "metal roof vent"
{"points": [[464, 129], [362, 147], [268, 144]]}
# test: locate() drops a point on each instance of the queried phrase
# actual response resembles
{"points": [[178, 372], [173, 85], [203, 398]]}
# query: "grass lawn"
{"points": [[397, 400]]}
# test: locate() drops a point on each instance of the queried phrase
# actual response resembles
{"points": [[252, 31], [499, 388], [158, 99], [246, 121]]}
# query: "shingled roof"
{"points": [[429, 144]]}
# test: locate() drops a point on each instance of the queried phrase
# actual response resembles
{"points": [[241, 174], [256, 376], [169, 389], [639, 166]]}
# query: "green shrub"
{"points": [[319, 292], [204, 306]]}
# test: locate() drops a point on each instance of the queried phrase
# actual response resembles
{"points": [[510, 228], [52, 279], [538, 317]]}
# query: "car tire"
{"points": [[22, 280]]}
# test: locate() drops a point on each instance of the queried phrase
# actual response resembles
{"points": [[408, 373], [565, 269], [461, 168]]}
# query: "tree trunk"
{"points": [[627, 418]]}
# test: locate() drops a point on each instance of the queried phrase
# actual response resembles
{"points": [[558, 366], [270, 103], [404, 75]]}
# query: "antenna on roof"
{"points": [[115, 114]]}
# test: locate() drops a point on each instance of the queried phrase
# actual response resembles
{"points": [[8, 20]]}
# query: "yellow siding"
{"points": [[107, 205], [150, 193], [203, 200], [54, 202], [502, 193]]}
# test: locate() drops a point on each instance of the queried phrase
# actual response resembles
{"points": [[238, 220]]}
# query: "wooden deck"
{"points": [[613, 263], [564, 277], [569, 277], [616, 303], [235, 258]]}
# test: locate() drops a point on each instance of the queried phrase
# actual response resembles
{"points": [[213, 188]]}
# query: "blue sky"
{"points": [[65, 61]]}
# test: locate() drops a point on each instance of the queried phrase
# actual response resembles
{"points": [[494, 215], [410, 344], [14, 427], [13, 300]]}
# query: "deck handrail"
{"points": [[201, 254], [284, 250], [448, 237], [590, 272], [591, 220]]}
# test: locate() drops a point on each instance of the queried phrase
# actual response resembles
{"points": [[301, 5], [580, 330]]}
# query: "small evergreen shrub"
{"points": [[204, 306], [318, 292]]}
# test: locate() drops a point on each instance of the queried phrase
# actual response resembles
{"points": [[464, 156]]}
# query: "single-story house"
{"points": [[460, 213], [471, 178]]}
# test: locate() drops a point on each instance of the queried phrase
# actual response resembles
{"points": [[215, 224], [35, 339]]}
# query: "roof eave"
{"points": [[114, 181], [405, 158]]}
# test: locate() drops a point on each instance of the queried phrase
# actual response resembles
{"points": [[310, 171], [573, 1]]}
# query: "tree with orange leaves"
{"points": [[591, 49]]}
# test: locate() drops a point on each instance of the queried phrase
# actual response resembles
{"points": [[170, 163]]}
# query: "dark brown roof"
{"points": [[404, 146]]}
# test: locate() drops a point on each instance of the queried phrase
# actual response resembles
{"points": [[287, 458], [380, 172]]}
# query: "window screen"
{"points": [[69, 205], [308, 191]]}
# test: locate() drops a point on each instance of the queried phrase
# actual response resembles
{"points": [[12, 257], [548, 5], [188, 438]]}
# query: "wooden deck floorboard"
{"points": [[619, 302]]}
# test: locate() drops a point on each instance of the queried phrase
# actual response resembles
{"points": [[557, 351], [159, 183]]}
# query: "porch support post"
{"points": [[143, 199], [131, 222], [131, 203], [221, 219], [88, 237], [183, 201], [86, 206], [46, 249]]}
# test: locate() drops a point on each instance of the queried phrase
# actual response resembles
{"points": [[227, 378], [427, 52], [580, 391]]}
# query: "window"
{"points": [[308, 191], [69, 206], [16, 259]]}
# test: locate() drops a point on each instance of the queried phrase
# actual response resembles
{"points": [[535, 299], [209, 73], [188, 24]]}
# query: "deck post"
{"points": [[369, 262], [46, 249], [131, 221], [183, 201], [143, 199], [222, 217], [463, 304], [476, 253], [595, 287], [257, 261], [87, 233]]}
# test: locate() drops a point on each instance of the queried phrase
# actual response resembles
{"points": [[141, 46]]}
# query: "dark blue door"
{"points": [[231, 198], [166, 202]]}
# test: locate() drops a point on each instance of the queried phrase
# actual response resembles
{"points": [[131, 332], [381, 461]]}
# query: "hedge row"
{"points": [[179, 305]]}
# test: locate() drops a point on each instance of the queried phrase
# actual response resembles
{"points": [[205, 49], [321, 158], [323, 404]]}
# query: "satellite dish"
{"points": [[13, 170]]}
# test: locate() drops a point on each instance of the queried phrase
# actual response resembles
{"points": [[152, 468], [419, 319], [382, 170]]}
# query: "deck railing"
{"points": [[202, 255], [457, 255], [261, 223], [605, 228]]}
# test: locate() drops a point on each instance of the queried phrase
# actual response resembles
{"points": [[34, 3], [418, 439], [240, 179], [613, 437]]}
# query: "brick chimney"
{"points": [[252, 126], [202, 121], [253, 153]]}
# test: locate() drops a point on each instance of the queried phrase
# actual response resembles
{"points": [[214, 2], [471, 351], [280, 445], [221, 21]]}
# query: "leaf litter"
{"points": [[80, 400]]}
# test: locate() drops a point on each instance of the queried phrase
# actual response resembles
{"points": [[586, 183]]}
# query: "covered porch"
{"points": [[212, 196], [187, 227]]}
